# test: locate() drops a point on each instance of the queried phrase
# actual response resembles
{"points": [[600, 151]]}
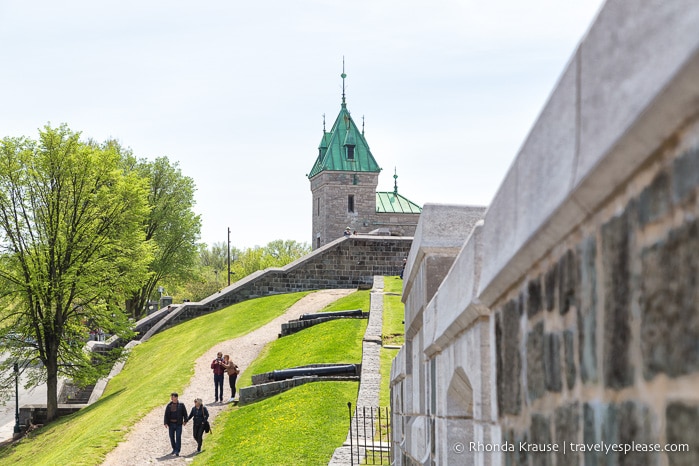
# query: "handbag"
{"points": [[207, 426]]}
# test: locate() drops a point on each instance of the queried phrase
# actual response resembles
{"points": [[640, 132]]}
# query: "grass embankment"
{"points": [[304, 425], [392, 332], [85, 437]]}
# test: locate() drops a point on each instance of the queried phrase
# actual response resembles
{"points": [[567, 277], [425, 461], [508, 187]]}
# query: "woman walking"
{"points": [[233, 372], [200, 415]]}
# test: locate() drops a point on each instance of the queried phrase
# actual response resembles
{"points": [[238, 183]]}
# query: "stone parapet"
{"points": [[570, 314], [350, 262]]}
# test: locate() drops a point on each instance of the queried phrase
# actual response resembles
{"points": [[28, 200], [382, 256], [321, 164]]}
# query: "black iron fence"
{"points": [[370, 435]]}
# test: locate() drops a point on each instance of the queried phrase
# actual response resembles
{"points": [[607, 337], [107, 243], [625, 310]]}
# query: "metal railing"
{"points": [[369, 435]]}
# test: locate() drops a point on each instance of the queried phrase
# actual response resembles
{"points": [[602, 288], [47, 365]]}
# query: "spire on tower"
{"points": [[395, 181], [343, 76]]}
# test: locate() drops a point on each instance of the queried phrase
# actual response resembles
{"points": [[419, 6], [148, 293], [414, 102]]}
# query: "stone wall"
{"points": [[344, 263], [570, 315]]}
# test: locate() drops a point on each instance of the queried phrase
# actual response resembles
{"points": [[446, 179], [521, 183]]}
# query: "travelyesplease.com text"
{"points": [[603, 447]]}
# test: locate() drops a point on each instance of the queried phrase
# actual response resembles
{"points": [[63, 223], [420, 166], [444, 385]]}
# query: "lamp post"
{"points": [[229, 256], [16, 368]]}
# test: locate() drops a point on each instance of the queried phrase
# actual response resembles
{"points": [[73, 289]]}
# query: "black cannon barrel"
{"points": [[351, 313], [283, 374]]}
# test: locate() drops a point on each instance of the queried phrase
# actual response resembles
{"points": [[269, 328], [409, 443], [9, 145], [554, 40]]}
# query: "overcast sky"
{"points": [[235, 91]]}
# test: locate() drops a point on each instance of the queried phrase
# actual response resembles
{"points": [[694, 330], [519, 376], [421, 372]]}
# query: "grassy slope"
{"points": [[393, 332], [302, 426], [306, 423], [85, 437]]}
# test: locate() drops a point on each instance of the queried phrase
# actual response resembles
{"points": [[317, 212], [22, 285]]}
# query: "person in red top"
{"points": [[219, 369]]}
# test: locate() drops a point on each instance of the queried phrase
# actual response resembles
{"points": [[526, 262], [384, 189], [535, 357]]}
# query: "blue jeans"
{"points": [[218, 387], [175, 436]]}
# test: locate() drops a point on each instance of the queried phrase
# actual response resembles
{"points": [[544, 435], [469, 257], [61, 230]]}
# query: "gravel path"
{"points": [[148, 442]]}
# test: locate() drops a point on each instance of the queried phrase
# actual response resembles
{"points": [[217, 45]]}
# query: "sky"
{"points": [[235, 92]]}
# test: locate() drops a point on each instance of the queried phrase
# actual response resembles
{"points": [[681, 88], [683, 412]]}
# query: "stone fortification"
{"points": [[570, 315], [350, 262]]}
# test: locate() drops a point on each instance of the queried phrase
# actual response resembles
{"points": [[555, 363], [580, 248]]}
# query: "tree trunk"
{"points": [[51, 386]]}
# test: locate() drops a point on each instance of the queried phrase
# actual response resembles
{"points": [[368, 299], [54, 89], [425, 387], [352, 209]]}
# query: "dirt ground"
{"points": [[148, 441]]}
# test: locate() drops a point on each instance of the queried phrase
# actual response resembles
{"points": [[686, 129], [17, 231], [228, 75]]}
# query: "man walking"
{"points": [[219, 369], [175, 417]]}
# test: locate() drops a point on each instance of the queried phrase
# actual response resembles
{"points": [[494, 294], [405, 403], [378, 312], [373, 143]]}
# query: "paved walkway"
{"points": [[370, 384]]}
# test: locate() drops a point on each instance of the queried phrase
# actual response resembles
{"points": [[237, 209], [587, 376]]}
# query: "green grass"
{"points": [[393, 328], [387, 356], [357, 300], [337, 341], [85, 437], [302, 426], [317, 344], [392, 333], [393, 285]]}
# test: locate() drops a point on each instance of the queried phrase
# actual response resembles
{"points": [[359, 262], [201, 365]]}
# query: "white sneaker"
{"points": [[230, 400]]}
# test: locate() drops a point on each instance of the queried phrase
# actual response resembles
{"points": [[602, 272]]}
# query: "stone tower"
{"points": [[343, 180]]}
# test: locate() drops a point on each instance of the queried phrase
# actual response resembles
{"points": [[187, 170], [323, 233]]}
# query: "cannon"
{"points": [[344, 369], [318, 315]]}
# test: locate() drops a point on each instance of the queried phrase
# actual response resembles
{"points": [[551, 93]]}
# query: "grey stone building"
{"points": [[344, 179]]}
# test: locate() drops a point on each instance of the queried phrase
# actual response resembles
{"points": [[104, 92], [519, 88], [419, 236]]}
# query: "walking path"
{"points": [[148, 442], [370, 384]]}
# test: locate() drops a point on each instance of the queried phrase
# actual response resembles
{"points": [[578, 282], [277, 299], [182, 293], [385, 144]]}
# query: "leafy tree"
{"points": [[213, 265], [171, 227], [71, 248]]}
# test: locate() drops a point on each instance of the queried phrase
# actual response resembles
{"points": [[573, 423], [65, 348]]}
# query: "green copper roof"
{"points": [[344, 148], [394, 203]]}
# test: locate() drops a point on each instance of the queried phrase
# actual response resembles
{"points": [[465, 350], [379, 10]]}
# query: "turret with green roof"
{"points": [[343, 180]]}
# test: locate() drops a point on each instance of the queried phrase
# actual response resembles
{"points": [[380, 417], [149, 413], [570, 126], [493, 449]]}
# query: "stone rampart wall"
{"points": [[570, 315], [345, 263]]}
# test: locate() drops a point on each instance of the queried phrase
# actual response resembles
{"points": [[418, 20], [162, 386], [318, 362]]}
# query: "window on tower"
{"points": [[350, 152], [350, 203]]}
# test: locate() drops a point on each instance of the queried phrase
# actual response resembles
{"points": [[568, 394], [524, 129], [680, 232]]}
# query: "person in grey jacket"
{"points": [[200, 415]]}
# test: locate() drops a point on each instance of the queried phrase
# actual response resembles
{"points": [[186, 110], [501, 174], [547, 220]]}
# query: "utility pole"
{"points": [[229, 256], [16, 370]]}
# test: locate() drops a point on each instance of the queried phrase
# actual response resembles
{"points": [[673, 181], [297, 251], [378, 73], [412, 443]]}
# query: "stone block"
{"points": [[569, 350], [627, 423], [681, 424], [592, 433], [499, 233], [552, 362], [535, 362], [616, 264], [567, 282], [670, 304], [628, 57], [567, 430], [545, 164], [551, 279], [507, 334], [534, 299], [655, 200], [587, 312], [685, 174], [541, 437]]}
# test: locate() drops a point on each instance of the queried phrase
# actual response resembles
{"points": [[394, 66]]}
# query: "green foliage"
{"points": [[302, 426], [86, 436], [211, 274], [171, 227], [71, 246]]}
